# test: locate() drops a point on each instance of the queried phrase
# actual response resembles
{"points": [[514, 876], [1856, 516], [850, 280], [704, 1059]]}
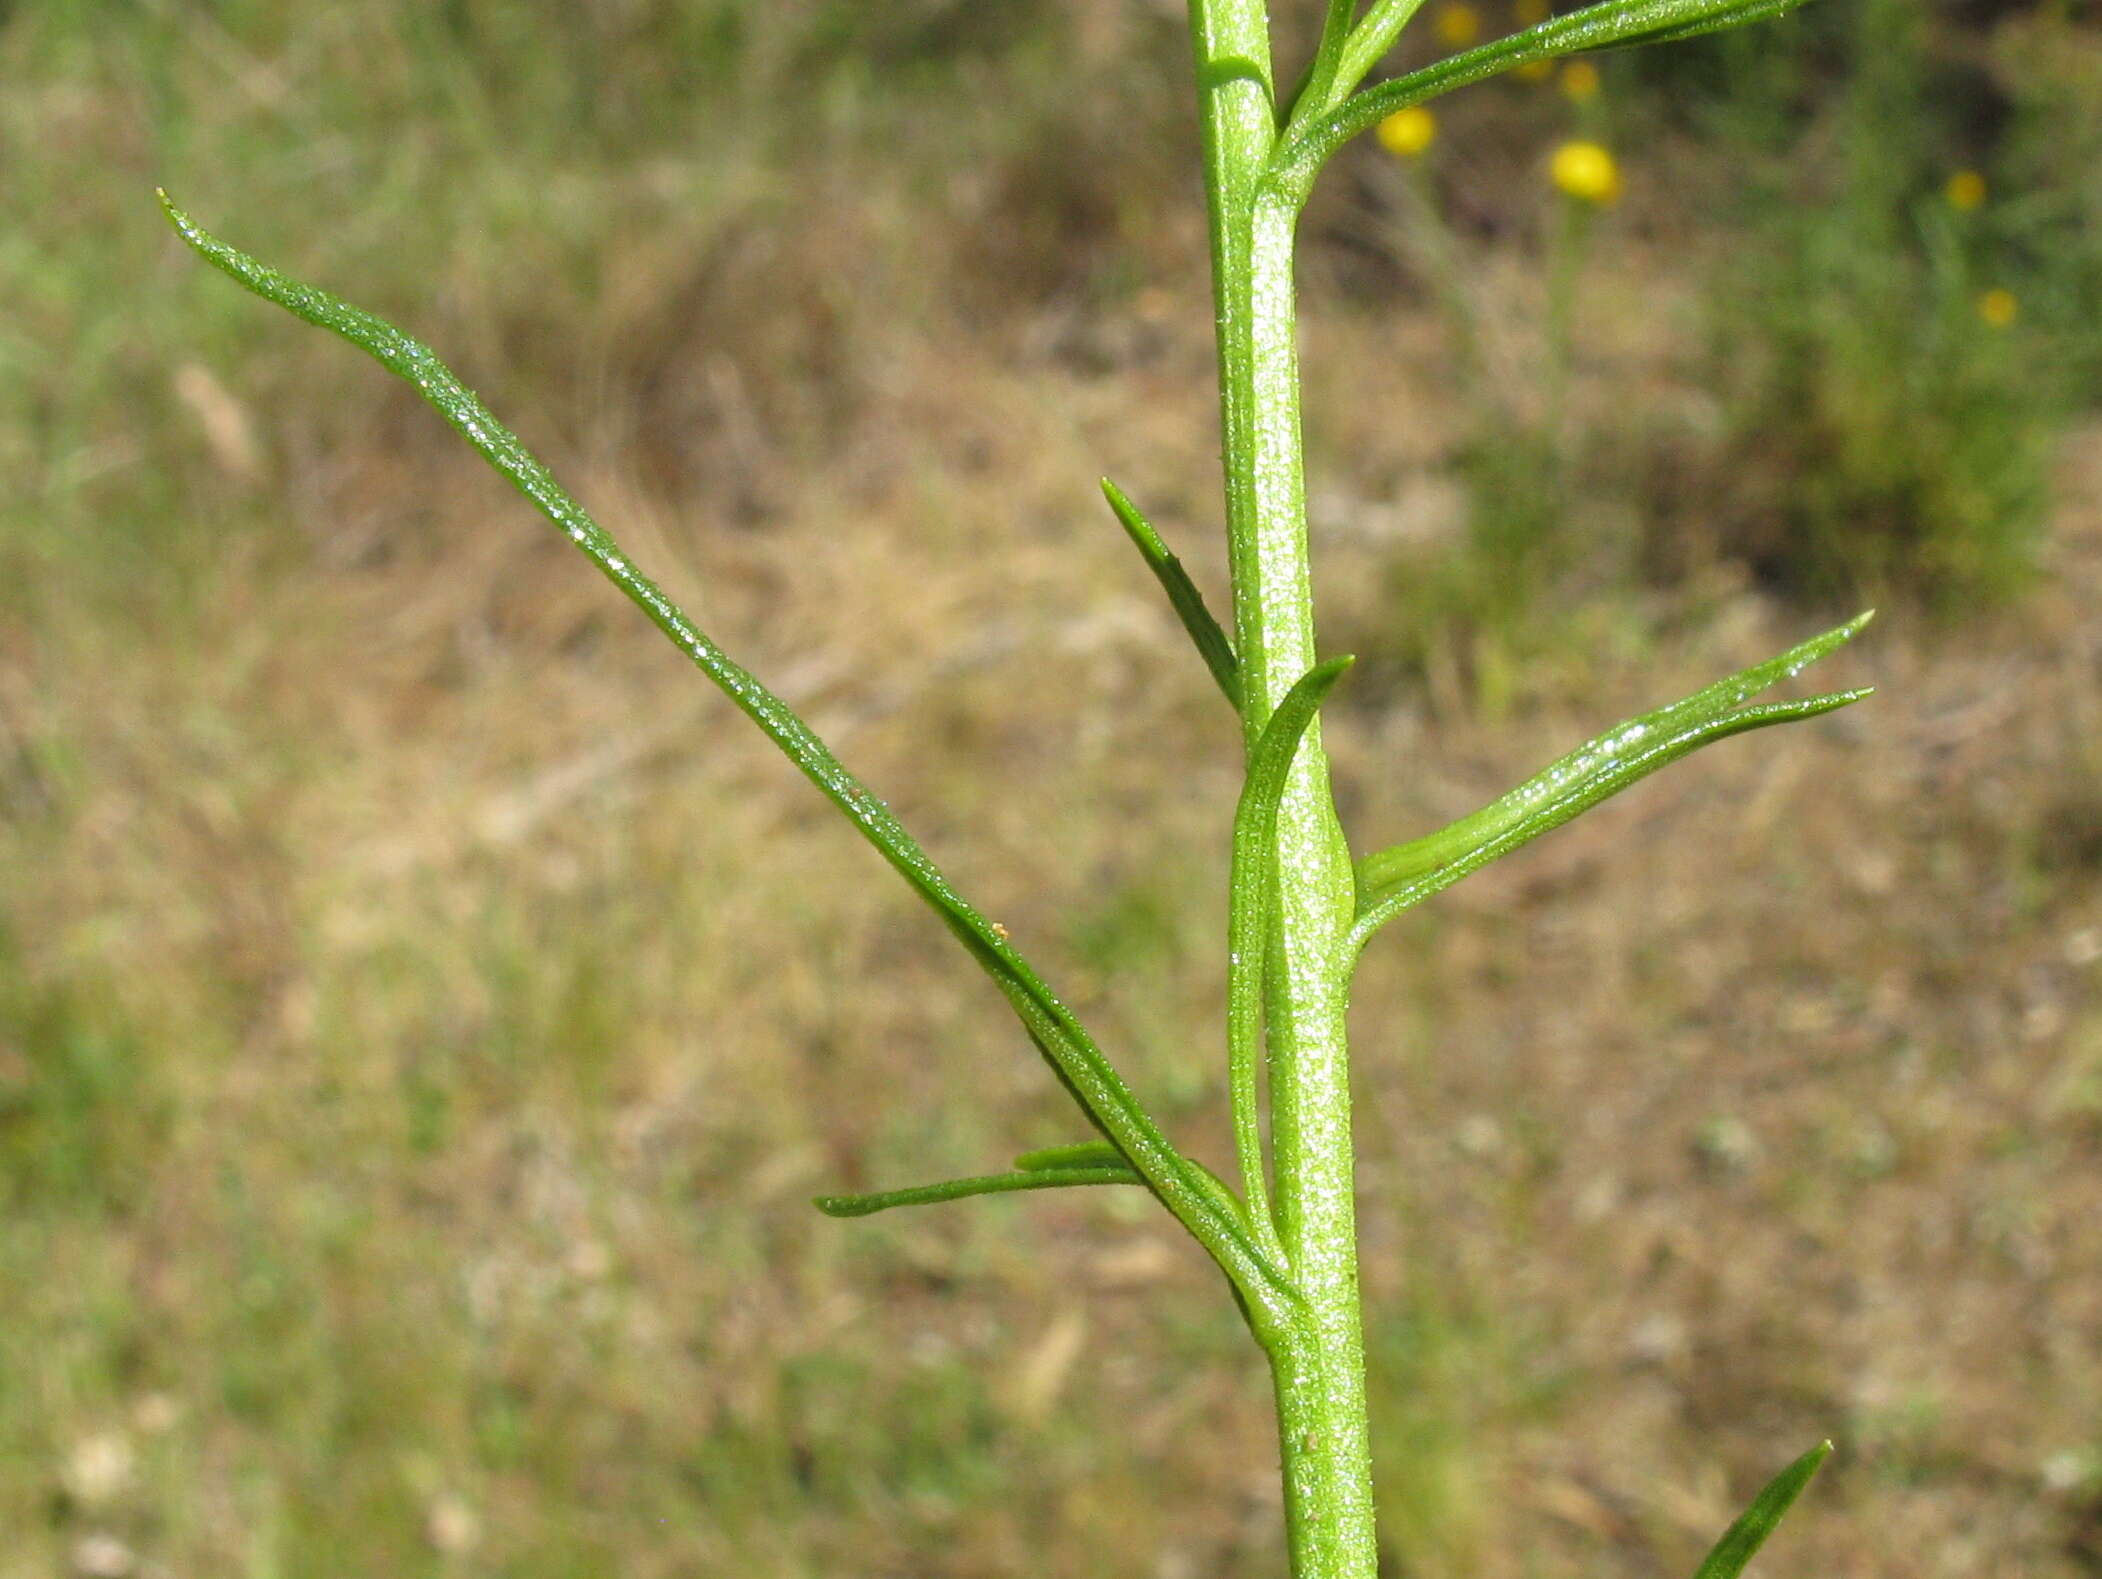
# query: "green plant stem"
{"points": [[1321, 1394], [1317, 1360], [1300, 908], [1185, 1188]]}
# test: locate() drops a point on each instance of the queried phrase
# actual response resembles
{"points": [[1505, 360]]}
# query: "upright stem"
{"points": [[1317, 1363], [1321, 1394]]}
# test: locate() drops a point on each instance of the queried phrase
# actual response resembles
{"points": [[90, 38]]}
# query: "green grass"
{"points": [[373, 900], [1889, 436], [1829, 405]]}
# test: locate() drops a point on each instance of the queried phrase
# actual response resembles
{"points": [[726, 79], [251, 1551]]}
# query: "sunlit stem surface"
{"points": [[1318, 1360]]}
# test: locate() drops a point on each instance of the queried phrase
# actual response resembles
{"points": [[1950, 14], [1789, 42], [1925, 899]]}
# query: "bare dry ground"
{"points": [[429, 1010]]}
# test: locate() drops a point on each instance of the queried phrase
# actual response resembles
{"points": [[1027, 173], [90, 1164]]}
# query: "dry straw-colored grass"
{"points": [[427, 1011]]}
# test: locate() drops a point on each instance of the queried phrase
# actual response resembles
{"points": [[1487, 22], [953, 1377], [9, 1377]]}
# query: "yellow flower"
{"points": [[1580, 81], [1530, 13], [1965, 191], [1586, 172], [1406, 133], [1998, 307], [1459, 25]]}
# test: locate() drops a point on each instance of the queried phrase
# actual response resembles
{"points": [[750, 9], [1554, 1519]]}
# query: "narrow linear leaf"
{"points": [[1073, 1055], [1395, 879], [1739, 16], [1609, 25], [1086, 1154], [1254, 895], [961, 1189], [1371, 38], [1183, 596], [1749, 1533], [1324, 82], [1223, 1198], [1708, 703], [1101, 1154]]}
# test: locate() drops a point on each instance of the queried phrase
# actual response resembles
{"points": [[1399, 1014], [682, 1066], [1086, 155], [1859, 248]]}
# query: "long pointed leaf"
{"points": [[961, 1189], [1393, 880], [1738, 16], [1183, 596], [1323, 83], [1076, 1060], [1373, 37], [1749, 1533], [1055, 1167], [1610, 25], [1254, 893], [1085, 1154]]}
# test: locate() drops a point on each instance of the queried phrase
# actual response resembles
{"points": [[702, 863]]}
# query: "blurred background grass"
{"points": [[425, 1011]]}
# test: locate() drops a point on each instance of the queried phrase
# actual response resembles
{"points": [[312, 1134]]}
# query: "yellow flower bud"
{"points": [[1580, 81], [1458, 25], [1406, 133], [1586, 172], [1998, 307], [1965, 191]]}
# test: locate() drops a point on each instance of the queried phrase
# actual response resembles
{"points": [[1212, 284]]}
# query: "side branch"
{"points": [[1611, 25], [1079, 1064]]}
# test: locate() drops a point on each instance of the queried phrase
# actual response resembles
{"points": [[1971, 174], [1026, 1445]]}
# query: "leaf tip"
{"points": [[1816, 706], [840, 1205], [1742, 1540], [1120, 504], [1135, 525], [1325, 676], [198, 238]]}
